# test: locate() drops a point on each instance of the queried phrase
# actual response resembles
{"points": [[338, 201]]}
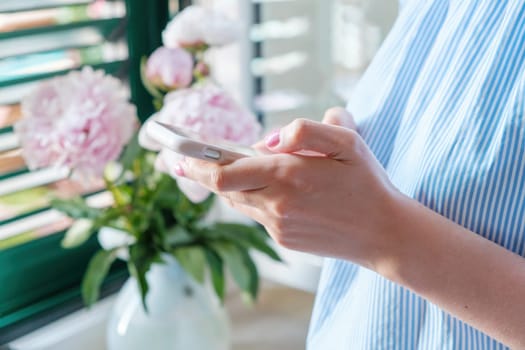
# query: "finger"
{"points": [[258, 215], [340, 117], [245, 174], [165, 159], [252, 212], [147, 141], [332, 141], [261, 148], [259, 198]]}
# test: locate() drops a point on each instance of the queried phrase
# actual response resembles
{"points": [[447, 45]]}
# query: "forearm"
{"points": [[471, 277]]}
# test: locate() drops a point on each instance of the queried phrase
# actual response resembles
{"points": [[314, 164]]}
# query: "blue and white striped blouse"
{"points": [[443, 108]]}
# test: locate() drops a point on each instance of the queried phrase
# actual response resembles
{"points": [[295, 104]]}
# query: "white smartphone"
{"points": [[191, 144]]}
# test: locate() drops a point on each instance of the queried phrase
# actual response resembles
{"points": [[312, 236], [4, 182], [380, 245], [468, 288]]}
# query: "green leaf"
{"points": [[169, 197], [111, 217], [158, 102], [96, 272], [76, 208], [78, 233], [234, 259], [188, 213], [122, 194], [193, 260], [141, 257], [158, 227], [178, 236], [247, 236], [253, 289], [131, 152], [217, 271]]}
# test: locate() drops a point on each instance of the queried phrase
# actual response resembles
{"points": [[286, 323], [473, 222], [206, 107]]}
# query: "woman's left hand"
{"points": [[334, 203]]}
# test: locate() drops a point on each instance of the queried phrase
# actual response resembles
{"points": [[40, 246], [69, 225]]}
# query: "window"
{"points": [[40, 39], [300, 57]]}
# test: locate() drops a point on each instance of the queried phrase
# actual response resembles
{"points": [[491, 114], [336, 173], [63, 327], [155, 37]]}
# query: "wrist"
{"points": [[403, 244], [421, 245]]}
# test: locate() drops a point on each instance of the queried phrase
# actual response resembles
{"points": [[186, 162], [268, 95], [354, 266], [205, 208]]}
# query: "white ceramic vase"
{"points": [[182, 315]]}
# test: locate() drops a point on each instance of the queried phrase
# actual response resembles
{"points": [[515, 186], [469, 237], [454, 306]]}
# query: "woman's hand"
{"points": [[334, 202], [340, 203]]}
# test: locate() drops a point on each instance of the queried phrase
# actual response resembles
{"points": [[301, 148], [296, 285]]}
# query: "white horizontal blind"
{"points": [[313, 51], [292, 59], [40, 39]]}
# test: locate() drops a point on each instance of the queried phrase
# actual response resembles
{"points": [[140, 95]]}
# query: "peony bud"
{"points": [[170, 69], [202, 70], [197, 27]]}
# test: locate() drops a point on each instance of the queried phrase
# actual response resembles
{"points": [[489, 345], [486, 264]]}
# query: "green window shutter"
{"points": [[37, 276]]}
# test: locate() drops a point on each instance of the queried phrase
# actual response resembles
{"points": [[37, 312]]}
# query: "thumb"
{"points": [[306, 136], [145, 140]]}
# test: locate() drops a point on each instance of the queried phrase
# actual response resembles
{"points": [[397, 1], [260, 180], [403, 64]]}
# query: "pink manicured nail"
{"points": [[273, 139], [178, 170]]}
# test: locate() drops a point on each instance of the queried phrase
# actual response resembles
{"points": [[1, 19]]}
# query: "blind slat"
{"points": [[18, 5], [8, 141], [13, 94], [75, 38], [10, 162], [106, 26], [32, 179], [34, 200], [109, 67], [49, 217], [9, 114]]}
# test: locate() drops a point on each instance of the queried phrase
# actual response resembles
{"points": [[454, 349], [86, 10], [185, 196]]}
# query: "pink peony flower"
{"points": [[81, 120], [170, 68], [209, 111], [196, 26]]}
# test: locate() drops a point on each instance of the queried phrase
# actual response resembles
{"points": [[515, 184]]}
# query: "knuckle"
{"points": [[334, 114], [217, 179], [302, 185], [354, 143], [281, 167], [287, 173], [276, 162], [282, 232], [352, 139], [284, 240], [242, 198], [280, 225], [280, 240], [279, 209], [300, 129]]}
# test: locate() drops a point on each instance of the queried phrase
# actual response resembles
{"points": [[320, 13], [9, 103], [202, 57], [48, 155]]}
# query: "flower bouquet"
{"points": [[83, 121]]}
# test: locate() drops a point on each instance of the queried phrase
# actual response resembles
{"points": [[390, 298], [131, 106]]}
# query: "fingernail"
{"points": [[178, 170], [273, 139]]}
